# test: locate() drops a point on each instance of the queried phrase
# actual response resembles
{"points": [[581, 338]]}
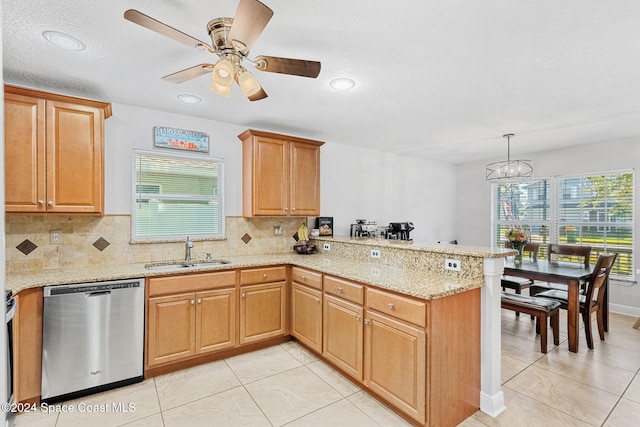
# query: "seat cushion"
{"points": [[513, 282], [544, 286], [542, 304], [560, 296]]}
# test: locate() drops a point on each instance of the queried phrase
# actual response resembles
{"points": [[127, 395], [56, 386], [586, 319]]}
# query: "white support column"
{"points": [[491, 396]]}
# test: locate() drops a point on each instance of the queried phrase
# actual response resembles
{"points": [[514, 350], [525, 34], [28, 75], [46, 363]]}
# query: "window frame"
{"points": [[554, 222], [219, 198]]}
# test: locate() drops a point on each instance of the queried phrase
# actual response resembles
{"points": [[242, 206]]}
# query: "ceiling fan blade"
{"points": [[296, 67], [161, 28], [188, 73], [250, 20], [261, 94]]}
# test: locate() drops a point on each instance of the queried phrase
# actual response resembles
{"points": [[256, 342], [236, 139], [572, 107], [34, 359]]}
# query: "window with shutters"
{"points": [[175, 197], [594, 209]]}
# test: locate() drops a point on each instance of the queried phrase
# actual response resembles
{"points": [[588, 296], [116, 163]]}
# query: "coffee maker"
{"points": [[364, 228], [400, 230]]}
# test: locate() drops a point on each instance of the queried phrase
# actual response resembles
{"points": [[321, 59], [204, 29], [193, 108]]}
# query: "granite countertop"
{"points": [[422, 284]]}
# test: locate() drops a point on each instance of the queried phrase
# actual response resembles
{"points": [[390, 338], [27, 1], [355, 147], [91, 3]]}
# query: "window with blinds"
{"points": [[594, 210], [176, 196]]}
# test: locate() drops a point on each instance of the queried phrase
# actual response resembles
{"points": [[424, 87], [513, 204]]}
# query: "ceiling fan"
{"points": [[231, 39]]}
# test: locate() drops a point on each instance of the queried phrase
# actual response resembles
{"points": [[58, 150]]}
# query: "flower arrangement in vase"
{"points": [[518, 239]]}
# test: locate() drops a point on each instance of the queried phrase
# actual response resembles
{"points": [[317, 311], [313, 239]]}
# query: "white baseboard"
{"points": [[624, 309]]}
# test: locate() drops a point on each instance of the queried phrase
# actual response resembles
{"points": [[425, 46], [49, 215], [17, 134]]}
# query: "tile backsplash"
{"points": [[87, 240]]}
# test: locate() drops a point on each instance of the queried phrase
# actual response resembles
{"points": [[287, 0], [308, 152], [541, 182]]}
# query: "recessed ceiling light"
{"points": [[64, 41], [342, 83], [187, 98]]}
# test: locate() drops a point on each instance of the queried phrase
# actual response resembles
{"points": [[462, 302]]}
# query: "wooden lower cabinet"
{"points": [[262, 311], [184, 325], [343, 335], [306, 316], [27, 345], [395, 362]]}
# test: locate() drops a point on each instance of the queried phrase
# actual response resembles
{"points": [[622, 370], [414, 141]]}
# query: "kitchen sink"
{"points": [[184, 265]]}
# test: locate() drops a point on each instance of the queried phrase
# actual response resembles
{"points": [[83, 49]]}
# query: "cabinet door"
{"points": [[306, 321], [262, 312], [215, 320], [170, 328], [74, 158], [342, 338], [270, 177], [305, 179], [395, 363], [24, 146]]}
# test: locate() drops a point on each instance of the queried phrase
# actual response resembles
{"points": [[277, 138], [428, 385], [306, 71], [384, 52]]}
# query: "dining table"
{"points": [[568, 273]]}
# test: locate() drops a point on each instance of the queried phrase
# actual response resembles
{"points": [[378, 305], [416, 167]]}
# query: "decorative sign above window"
{"points": [[180, 139]]}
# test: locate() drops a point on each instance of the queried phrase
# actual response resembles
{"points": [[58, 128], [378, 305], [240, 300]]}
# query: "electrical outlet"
{"points": [[638, 271], [375, 253], [375, 271], [55, 237], [452, 264], [326, 261], [326, 247]]}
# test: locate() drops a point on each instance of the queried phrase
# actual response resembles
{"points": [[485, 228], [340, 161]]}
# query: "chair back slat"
{"points": [[599, 278], [530, 249], [580, 251]]}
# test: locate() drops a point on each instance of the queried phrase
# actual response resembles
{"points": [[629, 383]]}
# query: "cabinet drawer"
{"points": [[395, 305], [190, 283], [344, 289], [306, 277], [262, 275]]}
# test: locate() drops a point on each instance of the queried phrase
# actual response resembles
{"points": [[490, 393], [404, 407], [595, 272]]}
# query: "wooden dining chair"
{"points": [[530, 250], [569, 253], [592, 300]]}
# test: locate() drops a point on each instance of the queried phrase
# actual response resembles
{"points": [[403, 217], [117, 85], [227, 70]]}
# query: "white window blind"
{"points": [[176, 196], [594, 210]]}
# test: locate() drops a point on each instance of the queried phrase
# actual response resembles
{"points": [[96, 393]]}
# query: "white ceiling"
{"points": [[440, 79]]}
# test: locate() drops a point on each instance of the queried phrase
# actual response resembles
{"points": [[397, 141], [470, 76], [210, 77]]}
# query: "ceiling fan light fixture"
{"points": [[222, 72], [64, 41], [509, 170], [220, 89], [248, 83]]}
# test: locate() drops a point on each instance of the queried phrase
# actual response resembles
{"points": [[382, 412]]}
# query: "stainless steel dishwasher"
{"points": [[92, 337]]}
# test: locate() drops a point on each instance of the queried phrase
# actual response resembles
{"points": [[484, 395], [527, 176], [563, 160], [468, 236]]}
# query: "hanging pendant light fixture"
{"points": [[509, 170]]}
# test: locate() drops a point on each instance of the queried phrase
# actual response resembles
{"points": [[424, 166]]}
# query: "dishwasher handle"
{"points": [[98, 293]]}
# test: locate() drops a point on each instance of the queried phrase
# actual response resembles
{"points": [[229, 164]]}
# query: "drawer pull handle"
{"points": [[339, 289], [390, 305]]}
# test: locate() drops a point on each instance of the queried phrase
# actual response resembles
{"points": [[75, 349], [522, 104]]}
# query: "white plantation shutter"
{"points": [[176, 196]]}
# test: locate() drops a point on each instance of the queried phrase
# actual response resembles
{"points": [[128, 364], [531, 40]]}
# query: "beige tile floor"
{"points": [[287, 385]]}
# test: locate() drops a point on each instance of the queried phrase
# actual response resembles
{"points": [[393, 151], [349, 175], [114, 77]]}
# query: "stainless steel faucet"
{"points": [[187, 250]]}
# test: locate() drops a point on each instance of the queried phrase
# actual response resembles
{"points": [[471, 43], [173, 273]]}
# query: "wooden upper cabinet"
{"points": [[54, 159], [280, 175]]}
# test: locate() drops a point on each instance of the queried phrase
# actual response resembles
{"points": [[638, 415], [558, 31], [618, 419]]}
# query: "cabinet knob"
{"points": [[264, 276], [304, 277], [317, 299], [357, 317], [199, 300], [366, 321], [286, 209], [243, 295], [40, 202], [50, 203], [192, 302], [339, 289], [390, 305], [293, 209]]}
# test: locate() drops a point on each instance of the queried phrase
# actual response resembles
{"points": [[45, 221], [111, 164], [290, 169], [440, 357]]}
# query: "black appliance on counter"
{"points": [[364, 228], [399, 230]]}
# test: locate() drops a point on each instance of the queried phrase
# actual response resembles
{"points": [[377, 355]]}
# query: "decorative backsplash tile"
{"points": [[26, 247], [101, 244], [85, 234]]}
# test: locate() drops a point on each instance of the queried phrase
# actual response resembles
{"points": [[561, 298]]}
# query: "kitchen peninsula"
{"points": [[404, 301]]}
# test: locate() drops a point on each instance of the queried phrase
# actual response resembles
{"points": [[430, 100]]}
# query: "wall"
{"points": [[355, 182], [474, 195]]}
